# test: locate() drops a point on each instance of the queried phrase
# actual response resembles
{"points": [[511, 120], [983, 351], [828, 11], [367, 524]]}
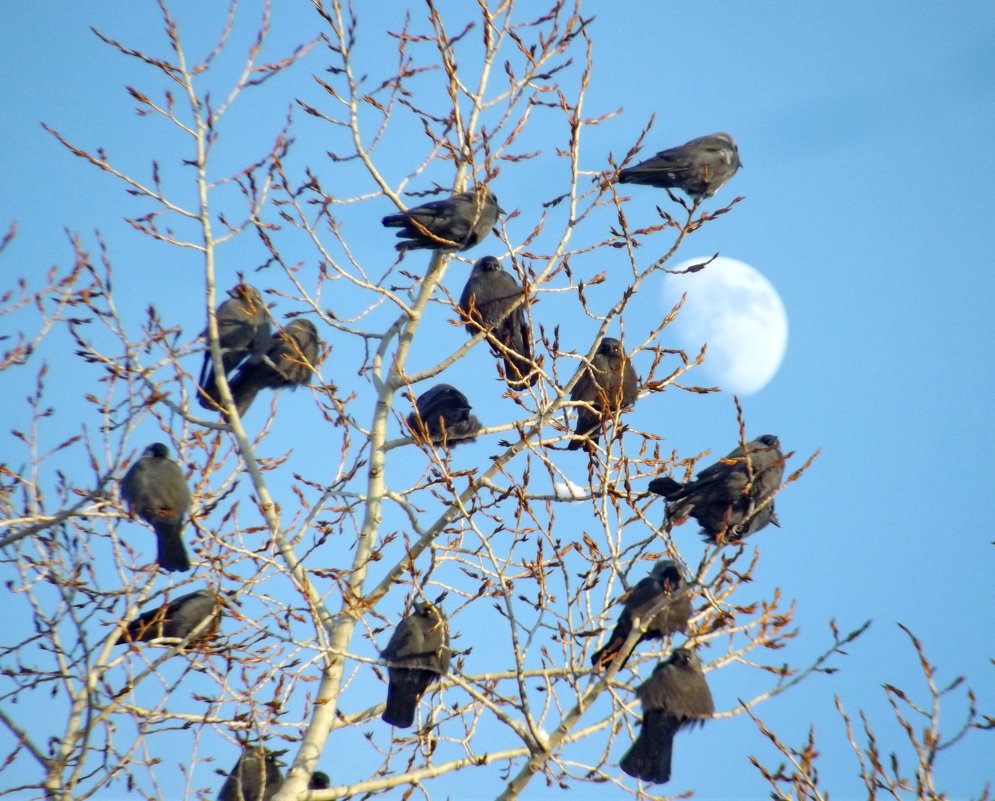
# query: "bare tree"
{"points": [[313, 562]]}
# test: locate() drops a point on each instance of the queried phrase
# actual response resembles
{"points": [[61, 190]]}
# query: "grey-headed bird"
{"points": [[175, 619], [417, 655], [443, 413], [456, 223], [699, 167], [255, 777], [609, 384]]}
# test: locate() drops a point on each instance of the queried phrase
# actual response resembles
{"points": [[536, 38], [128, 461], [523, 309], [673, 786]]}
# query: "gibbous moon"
{"points": [[738, 313]]}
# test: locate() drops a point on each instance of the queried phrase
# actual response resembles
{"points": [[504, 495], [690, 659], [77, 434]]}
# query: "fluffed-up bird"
{"points": [[155, 490], [417, 656], [723, 498], [319, 781], [175, 619], [699, 167], [243, 330], [609, 384], [676, 696], [255, 777], [443, 414], [487, 301], [456, 223], [664, 585]]}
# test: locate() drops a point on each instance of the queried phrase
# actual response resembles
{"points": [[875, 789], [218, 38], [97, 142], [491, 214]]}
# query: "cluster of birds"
{"points": [[730, 499]]}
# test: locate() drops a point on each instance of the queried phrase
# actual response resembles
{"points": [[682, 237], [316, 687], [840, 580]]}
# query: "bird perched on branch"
{"points": [[443, 414], [456, 223], [155, 490], [699, 167], [676, 696], [727, 498], [664, 585], [609, 384], [255, 777], [417, 655], [487, 301], [243, 330], [289, 361], [319, 781], [176, 619]]}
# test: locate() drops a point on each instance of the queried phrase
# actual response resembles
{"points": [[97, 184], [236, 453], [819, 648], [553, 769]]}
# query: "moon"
{"points": [[738, 313]]}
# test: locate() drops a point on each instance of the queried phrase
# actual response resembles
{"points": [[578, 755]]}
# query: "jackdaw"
{"points": [[417, 655], [699, 167], [155, 490], [609, 384], [176, 619], [664, 582], [487, 298], [289, 361], [243, 330], [319, 781], [718, 498], [676, 696], [456, 223], [255, 777], [443, 413]]}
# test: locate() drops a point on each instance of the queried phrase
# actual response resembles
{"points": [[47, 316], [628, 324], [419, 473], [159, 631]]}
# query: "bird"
{"points": [[319, 781], [155, 490], [609, 384], [289, 361], [726, 504], [176, 619], [699, 167], [456, 223], [417, 655], [674, 697], [255, 777], [243, 330], [664, 582], [443, 413], [487, 302]]}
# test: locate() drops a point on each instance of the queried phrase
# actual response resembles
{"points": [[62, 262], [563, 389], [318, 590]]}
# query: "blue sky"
{"points": [[865, 133]]}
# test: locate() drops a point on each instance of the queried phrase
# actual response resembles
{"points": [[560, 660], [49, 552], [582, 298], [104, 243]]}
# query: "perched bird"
{"points": [[609, 384], [243, 330], [698, 167], [664, 582], [156, 491], [487, 298], [674, 697], [417, 655], [176, 619], [289, 361], [443, 413], [456, 223], [319, 781], [255, 777], [722, 498]]}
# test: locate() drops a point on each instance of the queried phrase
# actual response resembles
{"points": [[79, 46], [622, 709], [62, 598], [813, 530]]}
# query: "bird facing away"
{"points": [[609, 384], [487, 301], [674, 697], [289, 361], [456, 223], [722, 499], [155, 490], [443, 414], [664, 585], [319, 781], [176, 619], [699, 167], [255, 777], [417, 655], [243, 330]]}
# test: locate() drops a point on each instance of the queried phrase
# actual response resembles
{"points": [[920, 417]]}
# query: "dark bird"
{"points": [[722, 497], [609, 384], [243, 330], [487, 301], [698, 167], [155, 490], [319, 781], [663, 585], [255, 777], [417, 655], [676, 696], [289, 361], [176, 619], [443, 414], [456, 223]]}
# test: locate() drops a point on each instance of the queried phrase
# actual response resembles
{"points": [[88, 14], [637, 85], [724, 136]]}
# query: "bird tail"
{"points": [[244, 388], [172, 553], [519, 372], [394, 221], [649, 756], [400, 709], [603, 657], [666, 486]]}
